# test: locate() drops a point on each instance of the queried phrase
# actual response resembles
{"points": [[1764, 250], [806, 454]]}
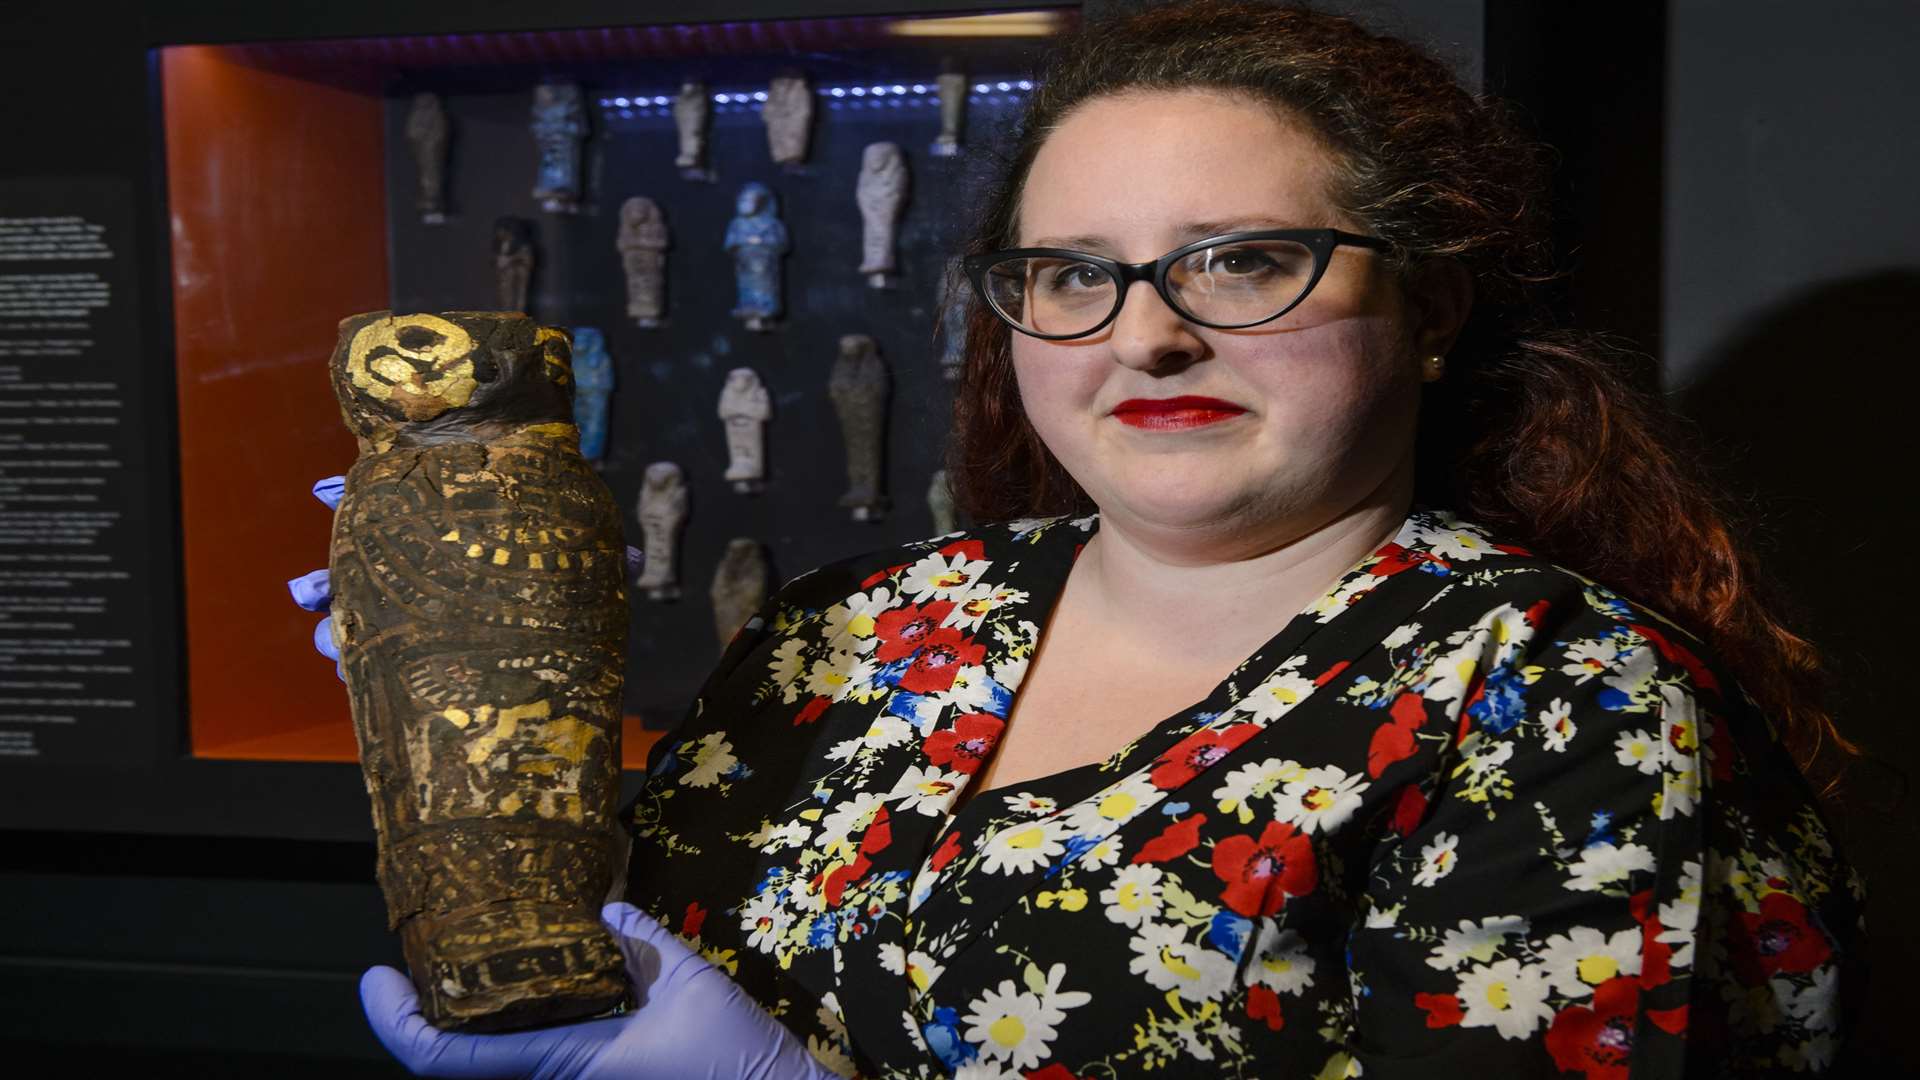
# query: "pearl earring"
{"points": [[1436, 365]]}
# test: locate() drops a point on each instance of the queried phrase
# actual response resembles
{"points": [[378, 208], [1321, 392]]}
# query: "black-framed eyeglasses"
{"points": [[1226, 282]]}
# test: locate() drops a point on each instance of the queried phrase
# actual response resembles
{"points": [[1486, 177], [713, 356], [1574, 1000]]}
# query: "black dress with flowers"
{"points": [[1466, 811]]}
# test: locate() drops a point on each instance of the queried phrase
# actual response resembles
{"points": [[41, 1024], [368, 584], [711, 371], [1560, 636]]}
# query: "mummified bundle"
{"points": [[480, 609]]}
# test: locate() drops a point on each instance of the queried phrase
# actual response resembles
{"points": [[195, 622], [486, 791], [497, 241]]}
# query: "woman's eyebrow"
{"points": [[1184, 233]]}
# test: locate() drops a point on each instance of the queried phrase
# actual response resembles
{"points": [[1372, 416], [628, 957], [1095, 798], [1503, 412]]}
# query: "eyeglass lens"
{"points": [[1237, 284]]}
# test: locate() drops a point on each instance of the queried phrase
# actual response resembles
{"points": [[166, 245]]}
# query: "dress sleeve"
{"points": [[1613, 872]]}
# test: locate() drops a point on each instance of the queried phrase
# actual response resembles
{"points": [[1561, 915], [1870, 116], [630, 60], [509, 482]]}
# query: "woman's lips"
{"points": [[1167, 414]]}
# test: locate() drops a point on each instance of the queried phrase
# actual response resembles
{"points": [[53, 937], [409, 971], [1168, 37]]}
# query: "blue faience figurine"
{"points": [[592, 386], [559, 127], [756, 239]]}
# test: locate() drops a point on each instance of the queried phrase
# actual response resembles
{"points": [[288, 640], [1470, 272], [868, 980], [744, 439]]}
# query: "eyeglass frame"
{"points": [[1320, 242]]}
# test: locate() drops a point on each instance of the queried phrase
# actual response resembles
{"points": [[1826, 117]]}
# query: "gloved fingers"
{"points": [[654, 953], [393, 1010], [323, 639], [312, 590], [635, 559], [329, 490]]}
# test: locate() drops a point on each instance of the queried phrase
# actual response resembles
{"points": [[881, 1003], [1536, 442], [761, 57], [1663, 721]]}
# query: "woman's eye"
{"points": [[1076, 276], [1241, 261]]}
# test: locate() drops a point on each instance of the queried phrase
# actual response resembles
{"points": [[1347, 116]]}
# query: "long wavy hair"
{"points": [[1552, 437]]}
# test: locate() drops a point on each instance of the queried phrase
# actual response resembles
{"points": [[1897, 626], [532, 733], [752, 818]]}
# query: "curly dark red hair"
{"points": [[1555, 438]]}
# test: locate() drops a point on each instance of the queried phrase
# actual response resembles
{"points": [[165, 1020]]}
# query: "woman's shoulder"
{"points": [[969, 552]]}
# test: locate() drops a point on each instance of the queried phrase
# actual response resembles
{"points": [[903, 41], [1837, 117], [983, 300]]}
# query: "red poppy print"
{"points": [[1264, 1005], [966, 744], [937, 663], [1197, 753], [1261, 874], [904, 630], [974, 550], [1443, 1010], [1597, 1041], [1174, 841], [1778, 938], [1393, 741], [693, 920], [948, 851], [811, 711]]}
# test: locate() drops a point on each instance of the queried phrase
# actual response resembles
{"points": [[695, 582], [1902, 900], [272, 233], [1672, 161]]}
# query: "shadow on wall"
{"points": [[1812, 410]]}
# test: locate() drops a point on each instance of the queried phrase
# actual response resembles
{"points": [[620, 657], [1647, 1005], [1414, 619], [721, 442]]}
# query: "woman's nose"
{"points": [[1147, 334]]}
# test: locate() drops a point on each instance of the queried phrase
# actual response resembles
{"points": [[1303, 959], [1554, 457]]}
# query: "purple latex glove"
{"points": [[692, 1021]]}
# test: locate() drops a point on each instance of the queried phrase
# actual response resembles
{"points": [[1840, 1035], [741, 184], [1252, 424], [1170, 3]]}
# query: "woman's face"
{"points": [[1322, 402]]}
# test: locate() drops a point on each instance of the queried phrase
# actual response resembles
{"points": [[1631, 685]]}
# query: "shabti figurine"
{"points": [[427, 135], [954, 293], [756, 239], [953, 111], [788, 114], [744, 408], [940, 503], [559, 129], [592, 387], [881, 193], [739, 587], [513, 261], [663, 511], [642, 241], [858, 386], [479, 607], [691, 108]]}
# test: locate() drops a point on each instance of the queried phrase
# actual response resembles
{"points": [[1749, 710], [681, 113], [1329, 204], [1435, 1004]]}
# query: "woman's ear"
{"points": [[1439, 296]]}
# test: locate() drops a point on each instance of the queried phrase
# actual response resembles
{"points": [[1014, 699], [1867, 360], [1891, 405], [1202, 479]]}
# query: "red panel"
{"points": [[276, 191]]}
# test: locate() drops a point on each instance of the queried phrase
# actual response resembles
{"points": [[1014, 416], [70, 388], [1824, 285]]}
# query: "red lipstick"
{"points": [[1175, 413]]}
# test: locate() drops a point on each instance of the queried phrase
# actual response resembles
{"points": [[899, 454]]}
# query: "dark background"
{"points": [[1736, 195]]}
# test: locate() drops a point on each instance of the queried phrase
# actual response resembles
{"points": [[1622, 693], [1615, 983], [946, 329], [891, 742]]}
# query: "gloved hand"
{"points": [[692, 1021], [314, 590]]}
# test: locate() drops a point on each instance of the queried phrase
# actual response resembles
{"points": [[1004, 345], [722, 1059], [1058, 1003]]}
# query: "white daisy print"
{"points": [[851, 816], [1281, 962], [1320, 800], [1585, 659], [1401, 635], [1011, 1026], [1030, 804], [1583, 958], [1637, 750], [1476, 942], [712, 756], [1022, 847], [927, 790], [942, 577], [1168, 961], [1277, 696], [1557, 728], [1249, 783], [1505, 996], [1604, 864], [1134, 896], [1436, 859]]}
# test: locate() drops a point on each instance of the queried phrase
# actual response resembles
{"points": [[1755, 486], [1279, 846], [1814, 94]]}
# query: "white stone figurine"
{"points": [[690, 112], [663, 512], [859, 386], [953, 111], [739, 586], [881, 193], [940, 503], [745, 409], [642, 241], [788, 114]]}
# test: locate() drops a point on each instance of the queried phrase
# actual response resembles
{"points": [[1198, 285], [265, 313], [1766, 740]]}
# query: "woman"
{"points": [[1352, 692]]}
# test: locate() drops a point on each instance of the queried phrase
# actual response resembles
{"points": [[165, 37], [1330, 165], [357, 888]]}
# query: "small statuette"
{"points": [[940, 503], [954, 293], [881, 193], [953, 111], [663, 511], [559, 128], [739, 587], [480, 611], [691, 109], [592, 386], [858, 386], [788, 114], [643, 254], [513, 261], [756, 239], [744, 408], [427, 135]]}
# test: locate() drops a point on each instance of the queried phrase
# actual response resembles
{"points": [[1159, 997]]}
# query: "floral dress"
{"points": [[1467, 811]]}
